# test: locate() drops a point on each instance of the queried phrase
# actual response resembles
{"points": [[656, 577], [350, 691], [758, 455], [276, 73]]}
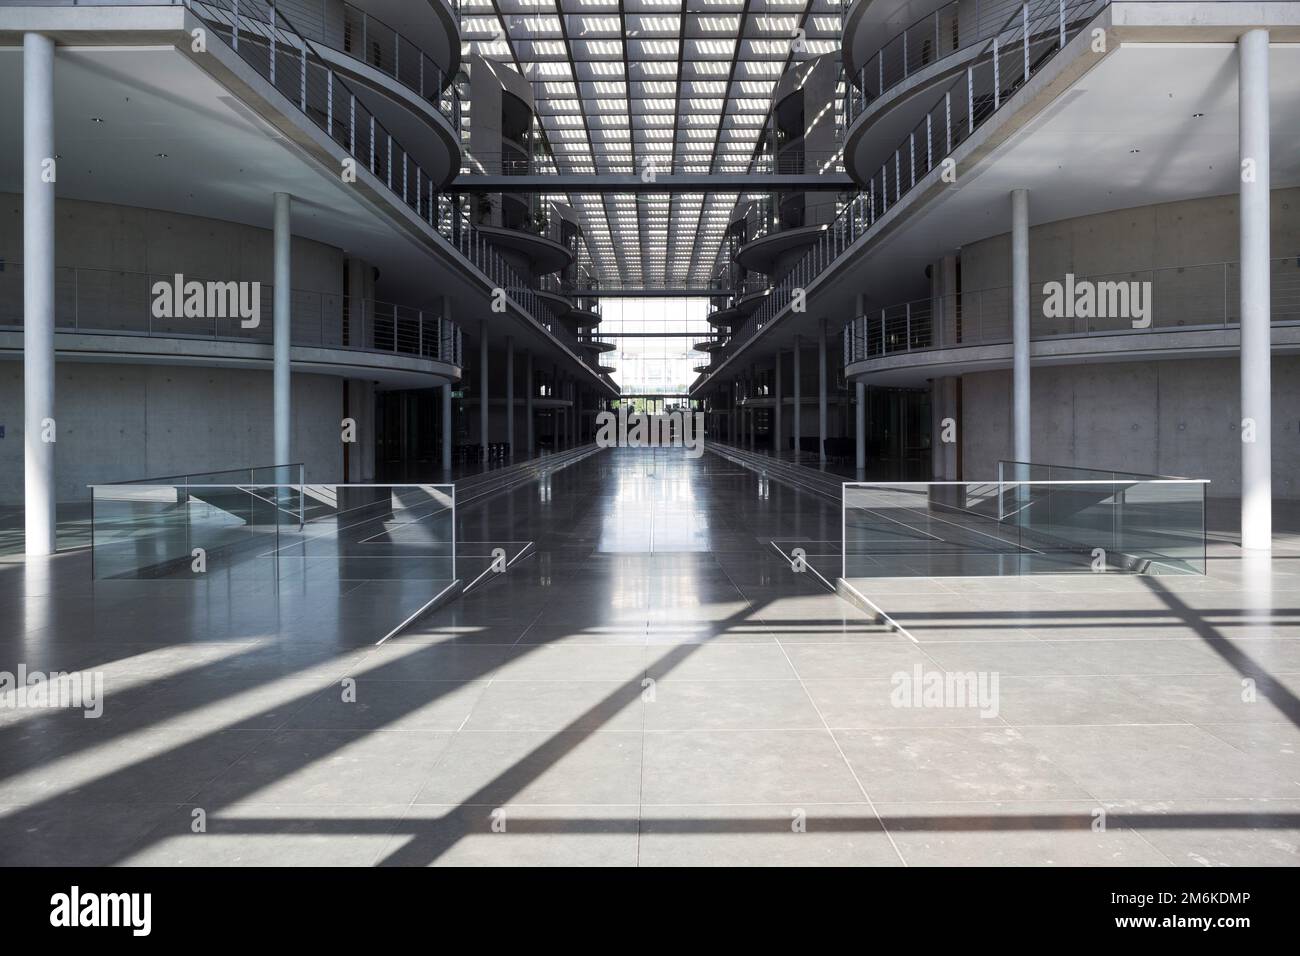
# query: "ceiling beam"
{"points": [[663, 183]]}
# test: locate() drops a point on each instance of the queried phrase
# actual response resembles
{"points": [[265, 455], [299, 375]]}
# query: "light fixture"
{"points": [[97, 119]]}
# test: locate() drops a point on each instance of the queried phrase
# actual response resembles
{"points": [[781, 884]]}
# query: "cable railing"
{"points": [[1027, 43], [1203, 296], [953, 27], [117, 302], [264, 39], [340, 27]]}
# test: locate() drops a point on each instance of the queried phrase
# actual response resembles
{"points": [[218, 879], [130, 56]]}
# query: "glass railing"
{"points": [[1013, 527], [258, 527], [1205, 296], [117, 302], [1026, 43], [151, 527]]}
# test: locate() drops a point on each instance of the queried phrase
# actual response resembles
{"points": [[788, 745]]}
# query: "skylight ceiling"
{"points": [[680, 85]]}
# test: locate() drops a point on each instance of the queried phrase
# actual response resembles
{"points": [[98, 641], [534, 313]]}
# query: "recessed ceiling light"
{"points": [[97, 119], [1197, 115], [1135, 150], [161, 155]]}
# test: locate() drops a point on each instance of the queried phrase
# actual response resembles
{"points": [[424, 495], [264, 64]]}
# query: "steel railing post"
{"points": [[1024, 25], [997, 82], [947, 121]]}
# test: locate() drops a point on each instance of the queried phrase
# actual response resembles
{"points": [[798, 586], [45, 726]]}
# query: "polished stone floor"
{"points": [[651, 681]]}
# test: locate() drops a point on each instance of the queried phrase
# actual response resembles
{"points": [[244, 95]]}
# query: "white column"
{"points": [[776, 407], [528, 402], [281, 242], [1020, 324], [950, 385], [860, 428], [39, 427], [860, 410], [821, 393], [446, 432], [483, 391], [798, 400], [510, 395], [446, 406], [1256, 328]]}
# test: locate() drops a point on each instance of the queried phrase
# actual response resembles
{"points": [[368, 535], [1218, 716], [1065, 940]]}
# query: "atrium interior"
{"points": [[650, 433]]}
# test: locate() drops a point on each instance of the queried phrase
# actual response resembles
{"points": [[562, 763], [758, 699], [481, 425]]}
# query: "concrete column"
{"points": [[1020, 324], [860, 408], [483, 391], [798, 396], [510, 396], [446, 432], [281, 242], [360, 308], [860, 428], [822, 386], [776, 407], [944, 398], [38, 296], [528, 402], [753, 409], [936, 429], [446, 407], [1256, 328]]}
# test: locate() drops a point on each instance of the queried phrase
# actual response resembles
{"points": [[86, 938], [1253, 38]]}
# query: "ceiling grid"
{"points": [[624, 86]]}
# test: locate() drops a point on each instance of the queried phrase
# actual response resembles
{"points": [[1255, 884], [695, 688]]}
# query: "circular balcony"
{"points": [[543, 254], [704, 368], [583, 318], [897, 68], [766, 253], [595, 345], [708, 345], [559, 303], [750, 298], [607, 369], [725, 318]]}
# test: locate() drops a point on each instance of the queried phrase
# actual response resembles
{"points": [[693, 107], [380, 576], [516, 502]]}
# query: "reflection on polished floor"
{"points": [[651, 682]]}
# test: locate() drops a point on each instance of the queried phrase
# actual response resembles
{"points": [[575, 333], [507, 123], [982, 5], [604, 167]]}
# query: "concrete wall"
{"points": [[1190, 232], [117, 422], [1177, 417], [96, 235]]}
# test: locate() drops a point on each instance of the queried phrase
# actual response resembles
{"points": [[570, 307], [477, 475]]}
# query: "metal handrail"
{"points": [[121, 302], [289, 61], [1202, 296], [1014, 54], [925, 41]]}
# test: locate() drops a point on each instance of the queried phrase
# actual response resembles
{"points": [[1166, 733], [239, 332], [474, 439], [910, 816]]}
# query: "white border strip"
{"points": [[858, 596], [434, 600]]}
